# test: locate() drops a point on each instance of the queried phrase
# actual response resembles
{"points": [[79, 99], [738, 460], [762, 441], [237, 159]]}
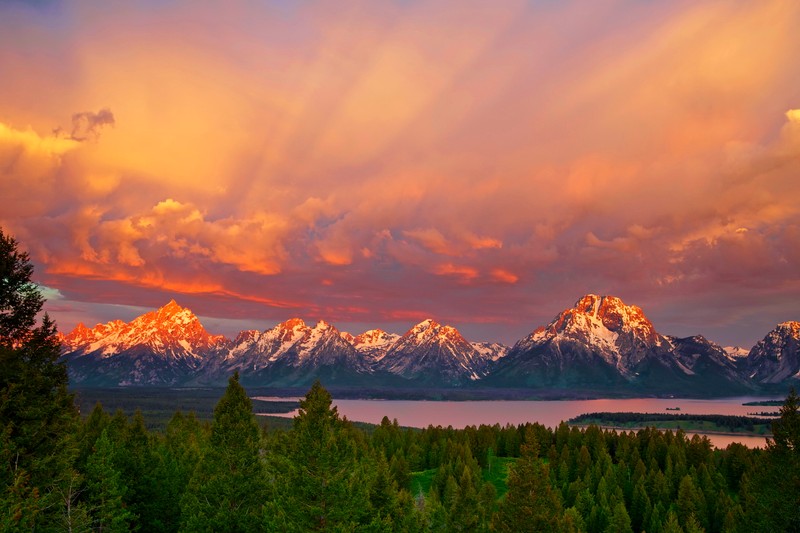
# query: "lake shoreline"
{"points": [[685, 430]]}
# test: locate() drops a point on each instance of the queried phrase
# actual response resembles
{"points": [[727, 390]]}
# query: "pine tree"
{"points": [[320, 486], [772, 493], [572, 521], [90, 431], [620, 521], [227, 490], [136, 461], [177, 455], [105, 489], [640, 505], [530, 504], [689, 500], [20, 298], [464, 515], [786, 429], [37, 414], [672, 525]]}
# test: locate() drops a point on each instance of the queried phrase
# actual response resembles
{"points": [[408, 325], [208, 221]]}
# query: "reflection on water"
{"points": [[414, 413]]}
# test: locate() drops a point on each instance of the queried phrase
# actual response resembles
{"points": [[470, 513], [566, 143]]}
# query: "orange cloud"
{"points": [[611, 145], [465, 273], [504, 276]]}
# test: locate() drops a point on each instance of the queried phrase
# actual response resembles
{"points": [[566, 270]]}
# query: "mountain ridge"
{"points": [[600, 343]]}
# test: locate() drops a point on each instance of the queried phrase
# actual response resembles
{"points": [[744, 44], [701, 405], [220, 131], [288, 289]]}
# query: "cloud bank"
{"points": [[380, 162]]}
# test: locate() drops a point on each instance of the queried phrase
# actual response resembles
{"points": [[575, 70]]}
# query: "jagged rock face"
{"points": [[598, 344], [596, 327], [157, 348], [82, 336], [374, 343], [170, 332], [776, 358], [736, 353], [432, 351], [698, 357], [602, 343], [491, 351], [292, 344]]}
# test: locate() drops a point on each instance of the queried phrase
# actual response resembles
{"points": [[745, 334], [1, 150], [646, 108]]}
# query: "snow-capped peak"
{"points": [[374, 337], [776, 357], [736, 352], [82, 336], [374, 343], [322, 325], [430, 348], [604, 319], [790, 328], [171, 332], [619, 333], [429, 329]]}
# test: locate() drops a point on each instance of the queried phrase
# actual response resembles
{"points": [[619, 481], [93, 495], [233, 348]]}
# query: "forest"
{"points": [[730, 423], [107, 472]]}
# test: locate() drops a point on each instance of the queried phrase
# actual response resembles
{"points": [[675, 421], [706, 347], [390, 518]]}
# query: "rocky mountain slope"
{"points": [[603, 344], [600, 344], [158, 348], [434, 353], [775, 359], [170, 347]]}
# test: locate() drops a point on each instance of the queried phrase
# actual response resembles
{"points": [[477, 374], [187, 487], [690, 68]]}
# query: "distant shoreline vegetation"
{"points": [[689, 422], [766, 403]]}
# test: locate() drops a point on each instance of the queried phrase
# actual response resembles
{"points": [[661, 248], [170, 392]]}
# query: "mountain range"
{"points": [[600, 345]]}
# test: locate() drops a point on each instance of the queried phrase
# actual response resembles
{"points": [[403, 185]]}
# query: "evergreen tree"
{"points": [[689, 501], [20, 298], [105, 489], [177, 455], [37, 414], [572, 521], [772, 494], [383, 492], [530, 504], [137, 461], [320, 484], [227, 490], [672, 525], [786, 429], [640, 505], [89, 432], [464, 515], [620, 521]]}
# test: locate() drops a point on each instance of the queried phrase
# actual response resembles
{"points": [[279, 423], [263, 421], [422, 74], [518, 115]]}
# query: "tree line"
{"points": [[730, 422], [109, 472]]}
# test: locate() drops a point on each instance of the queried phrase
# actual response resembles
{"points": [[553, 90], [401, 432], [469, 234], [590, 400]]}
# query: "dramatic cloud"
{"points": [[87, 125], [374, 163]]}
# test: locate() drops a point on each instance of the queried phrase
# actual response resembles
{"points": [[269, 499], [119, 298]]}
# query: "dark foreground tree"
{"points": [[772, 494], [322, 486], [105, 489], [37, 414], [530, 504], [227, 490]]}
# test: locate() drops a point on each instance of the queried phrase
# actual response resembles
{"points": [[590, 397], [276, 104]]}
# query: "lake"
{"points": [[416, 413]]}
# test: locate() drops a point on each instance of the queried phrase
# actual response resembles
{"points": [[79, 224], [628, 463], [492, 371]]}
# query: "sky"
{"points": [[377, 163]]}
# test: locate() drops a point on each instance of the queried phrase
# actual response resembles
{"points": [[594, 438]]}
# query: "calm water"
{"points": [[415, 413]]}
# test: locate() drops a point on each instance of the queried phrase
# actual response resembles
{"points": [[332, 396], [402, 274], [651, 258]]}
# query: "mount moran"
{"points": [[599, 346]]}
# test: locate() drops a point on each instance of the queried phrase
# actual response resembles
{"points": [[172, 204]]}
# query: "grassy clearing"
{"points": [[497, 473], [421, 481]]}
